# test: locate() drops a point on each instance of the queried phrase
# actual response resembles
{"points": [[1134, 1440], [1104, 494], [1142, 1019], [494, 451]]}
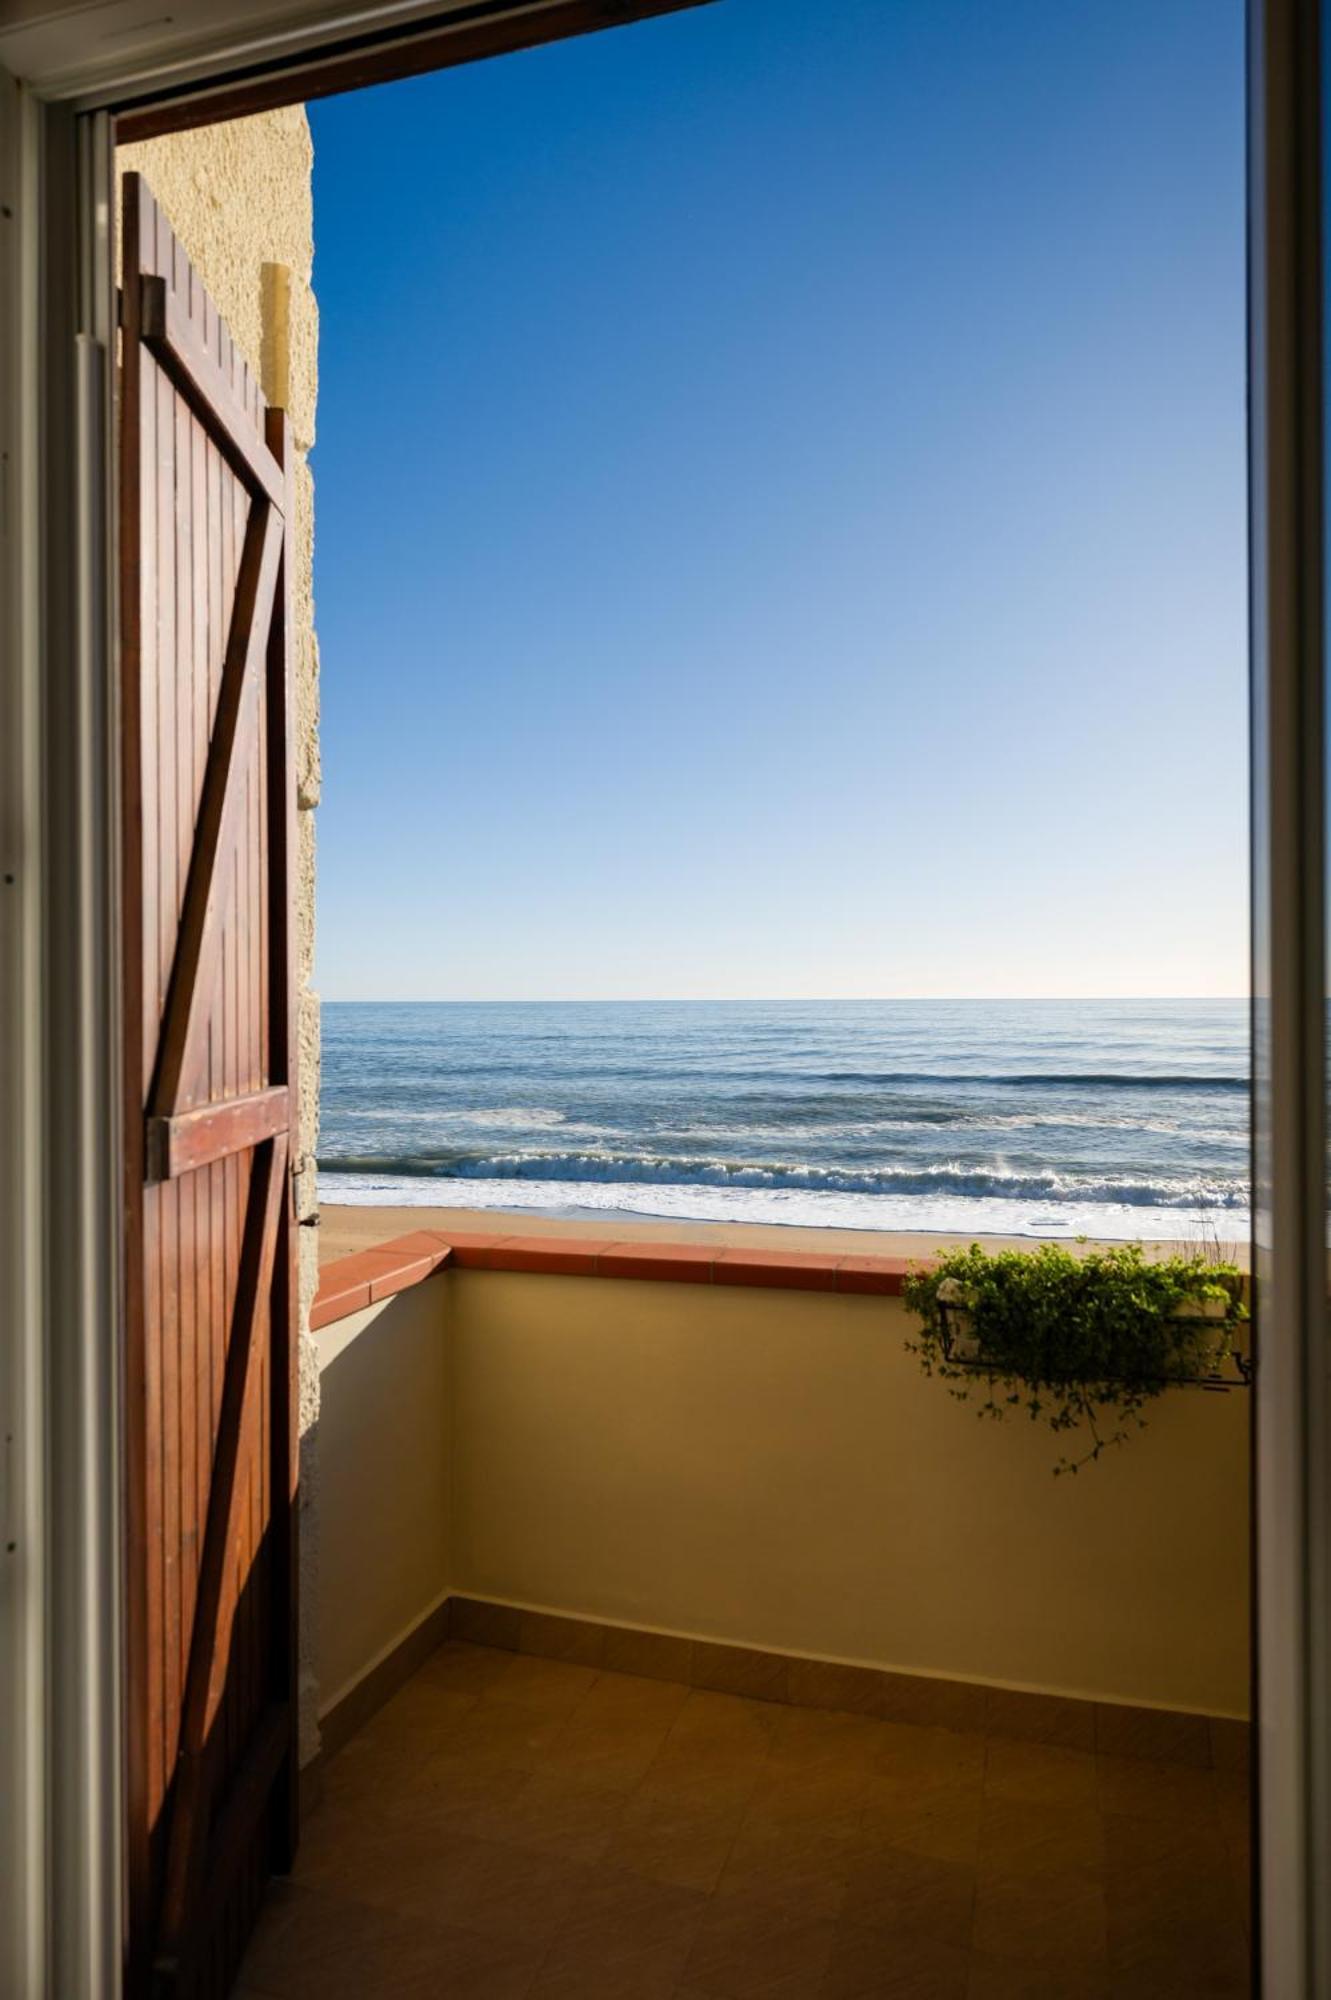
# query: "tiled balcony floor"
{"points": [[510, 1827]]}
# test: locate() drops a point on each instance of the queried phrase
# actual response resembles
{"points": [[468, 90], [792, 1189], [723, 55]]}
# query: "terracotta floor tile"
{"points": [[448, 1793], [671, 1840], [393, 1866], [511, 1826], [336, 1842], [940, 1820], [1039, 1915], [709, 1720], [425, 1703], [310, 1946], [931, 1756], [804, 1865], [1178, 1957], [419, 1716], [1166, 1857], [1040, 1774], [885, 1965], [550, 1812], [1233, 1797], [623, 1934], [751, 1946], [599, 1753], [1018, 1979], [801, 1793], [715, 1782], [911, 1894], [1016, 1834], [555, 1687], [1144, 1790], [504, 1732], [616, 1698], [506, 1891], [464, 1668], [645, 1973], [809, 1736]]}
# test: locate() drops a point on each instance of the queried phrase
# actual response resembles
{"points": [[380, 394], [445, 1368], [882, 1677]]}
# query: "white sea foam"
{"points": [[517, 1118], [942, 1214]]}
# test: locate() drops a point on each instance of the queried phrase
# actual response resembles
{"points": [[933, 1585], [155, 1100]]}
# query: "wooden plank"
{"points": [[235, 1836], [191, 1502], [171, 854], [208, 1250], [284, 1057], [236, 1823], [209, 1649], [198, 941], [192, 1139], [176, 341], [137, 926]]}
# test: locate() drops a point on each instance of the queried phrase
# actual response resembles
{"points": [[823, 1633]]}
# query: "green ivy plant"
{"points": [[1080, 1342]]}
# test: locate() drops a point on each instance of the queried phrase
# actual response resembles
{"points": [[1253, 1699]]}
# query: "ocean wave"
{"points": [[1039, 1079], [959, 1217], [833, 1128], [949, 1178], [515, 1117]]}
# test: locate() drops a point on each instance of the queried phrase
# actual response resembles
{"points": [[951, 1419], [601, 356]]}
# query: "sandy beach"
{"points": [[343, 1229]]}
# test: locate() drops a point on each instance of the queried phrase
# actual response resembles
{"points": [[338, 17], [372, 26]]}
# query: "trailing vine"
{"points": [[1082, 1343]]}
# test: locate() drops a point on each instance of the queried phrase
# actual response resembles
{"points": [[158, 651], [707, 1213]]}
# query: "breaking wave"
{"points": [[1041, 1079], [669, 1170]]}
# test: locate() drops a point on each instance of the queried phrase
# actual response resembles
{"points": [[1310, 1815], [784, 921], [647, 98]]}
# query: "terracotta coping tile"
{"points": [[348, 1284], [476, 1253], [675, 1263], [337, 1298], [351, 1283], [436, 1241], [367, 1265], [792, 1270], [401, 1272], [568, 1256], [884, 1275]]}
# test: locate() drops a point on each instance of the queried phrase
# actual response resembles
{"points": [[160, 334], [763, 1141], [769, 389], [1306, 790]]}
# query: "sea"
{"points": [[1050, 1118]]}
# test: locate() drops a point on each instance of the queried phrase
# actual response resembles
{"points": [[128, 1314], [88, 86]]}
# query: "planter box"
{"points": [[963, 1348]]}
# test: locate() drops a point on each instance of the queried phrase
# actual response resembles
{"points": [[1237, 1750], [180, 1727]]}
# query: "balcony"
{"points": [[676, 1637]]}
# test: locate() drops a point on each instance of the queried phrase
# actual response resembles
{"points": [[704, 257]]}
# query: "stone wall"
{"points": [[239, 197]]}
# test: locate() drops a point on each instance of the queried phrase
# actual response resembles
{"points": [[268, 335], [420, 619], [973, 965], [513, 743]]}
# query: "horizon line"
{"points": [[756, 999]]}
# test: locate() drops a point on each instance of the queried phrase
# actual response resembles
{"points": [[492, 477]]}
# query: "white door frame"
{"points": [[58, 1219], [1287, 162], [60, 1626]]}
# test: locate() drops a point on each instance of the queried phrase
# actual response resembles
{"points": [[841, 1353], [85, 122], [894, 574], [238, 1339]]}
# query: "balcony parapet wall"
{"points": [[753, 1463], [349, 1284]]}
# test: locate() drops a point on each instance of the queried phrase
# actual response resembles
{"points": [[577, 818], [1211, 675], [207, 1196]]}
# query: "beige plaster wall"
{"points": [[239, 197], [770, 1469], [385, 1494]]}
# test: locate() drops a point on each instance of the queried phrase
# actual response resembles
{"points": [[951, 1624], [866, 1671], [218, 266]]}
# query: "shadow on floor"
{"points": [[510, 1827]]}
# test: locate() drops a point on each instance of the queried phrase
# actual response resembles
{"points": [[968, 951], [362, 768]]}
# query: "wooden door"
{"points": [[210, 1054]]}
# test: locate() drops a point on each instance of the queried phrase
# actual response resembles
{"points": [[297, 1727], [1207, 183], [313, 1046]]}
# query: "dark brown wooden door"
{"points": [[210, 1054]]}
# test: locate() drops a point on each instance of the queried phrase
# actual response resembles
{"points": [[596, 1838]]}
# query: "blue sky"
{"points": [[780, 509]]}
